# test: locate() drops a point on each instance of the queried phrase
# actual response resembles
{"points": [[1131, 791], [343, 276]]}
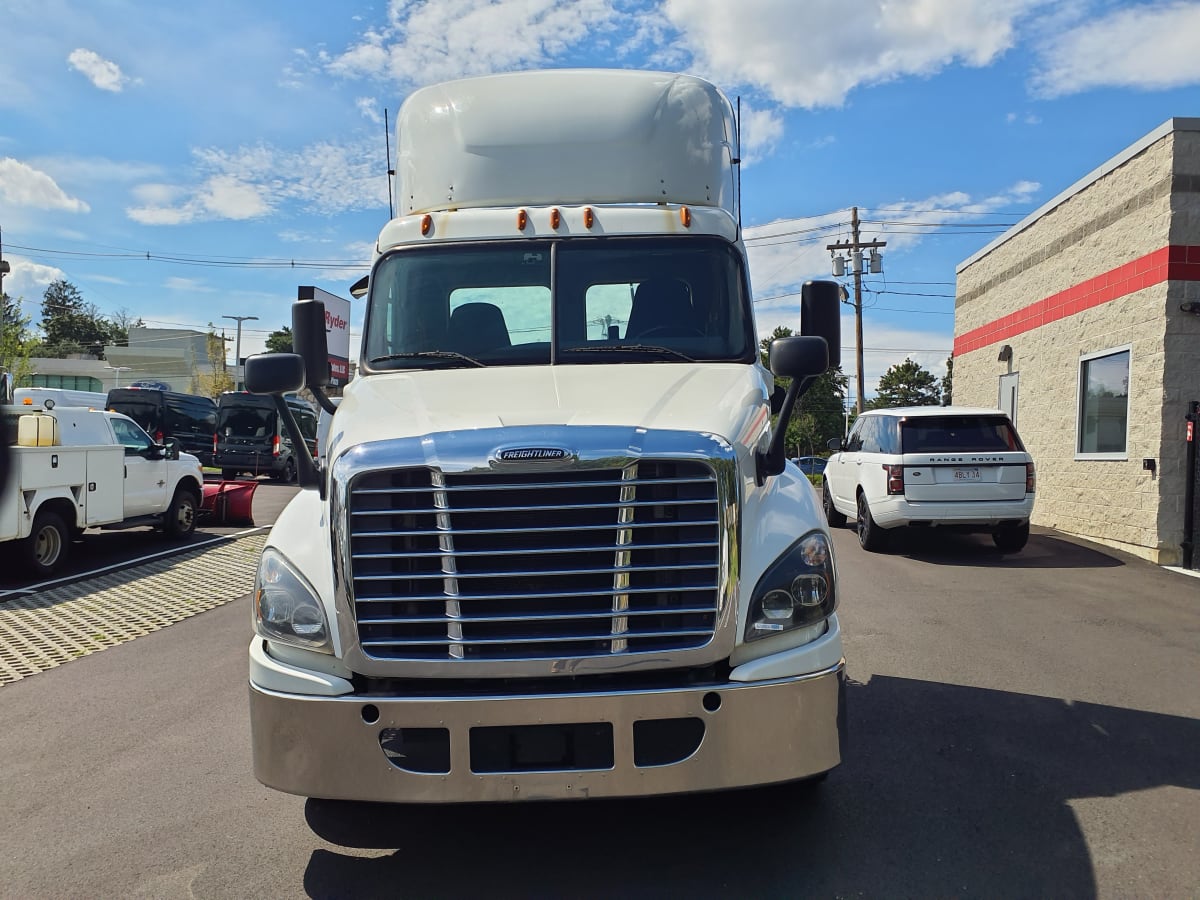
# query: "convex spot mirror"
{"points": [[799, 357], [274, 373]]}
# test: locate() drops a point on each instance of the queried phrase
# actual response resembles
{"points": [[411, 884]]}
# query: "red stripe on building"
{"points": [[1173, 263]]}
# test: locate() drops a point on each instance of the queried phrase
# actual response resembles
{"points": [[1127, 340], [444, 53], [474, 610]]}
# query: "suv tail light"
{"points": [[158, 436], [275, 445], [1030, 478], [895, 478], [214, 442]]}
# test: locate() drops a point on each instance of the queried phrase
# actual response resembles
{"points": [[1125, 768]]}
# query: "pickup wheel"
{"points": [[832, 516], [45, 550], [180, 518], [289, 472], [1011, 538], [870, 535], [229, 474]]}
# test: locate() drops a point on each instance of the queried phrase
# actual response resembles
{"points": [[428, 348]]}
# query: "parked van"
{"points": [[59, 397], [251, 438], [189, 418]]}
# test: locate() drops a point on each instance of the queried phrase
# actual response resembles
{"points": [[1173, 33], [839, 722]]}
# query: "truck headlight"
{"points": [[796, 591], [286, 608]]}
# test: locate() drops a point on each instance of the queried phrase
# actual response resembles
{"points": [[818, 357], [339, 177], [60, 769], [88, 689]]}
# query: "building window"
{"points": [[1103, 429]]}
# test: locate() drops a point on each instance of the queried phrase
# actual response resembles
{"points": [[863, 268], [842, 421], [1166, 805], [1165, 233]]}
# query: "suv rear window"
{"points": [[956, 434]]}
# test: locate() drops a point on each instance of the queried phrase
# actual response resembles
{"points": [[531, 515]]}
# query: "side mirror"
{"points": [[835, 444], [171, 448], [821, 316]]}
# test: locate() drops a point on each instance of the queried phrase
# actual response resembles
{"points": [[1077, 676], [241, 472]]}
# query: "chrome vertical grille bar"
{"points": [[441, 502], [625, 512]]}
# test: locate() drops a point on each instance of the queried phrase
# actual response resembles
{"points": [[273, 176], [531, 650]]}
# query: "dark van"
{"points": [[190, 419], [251, 438]]}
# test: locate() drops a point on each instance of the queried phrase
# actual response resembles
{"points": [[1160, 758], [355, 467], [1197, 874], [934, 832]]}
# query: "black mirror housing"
{"points": [[834, 444], [821, 316], [310, 341], [274, 373], [799, 357]]}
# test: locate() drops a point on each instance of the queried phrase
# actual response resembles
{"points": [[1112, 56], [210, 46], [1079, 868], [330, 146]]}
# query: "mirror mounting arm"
{"points": [[308, 474], [774, 459]]}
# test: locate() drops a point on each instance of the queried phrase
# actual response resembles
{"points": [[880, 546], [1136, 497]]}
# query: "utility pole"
{"points": [[237, 350], [856, 247]]}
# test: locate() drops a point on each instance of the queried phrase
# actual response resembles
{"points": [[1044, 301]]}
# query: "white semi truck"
{"points": [[553, 549], [74, 468]]}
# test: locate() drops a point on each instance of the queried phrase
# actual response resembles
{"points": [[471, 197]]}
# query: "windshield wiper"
{"points": [[635, 348], [429, 354]]}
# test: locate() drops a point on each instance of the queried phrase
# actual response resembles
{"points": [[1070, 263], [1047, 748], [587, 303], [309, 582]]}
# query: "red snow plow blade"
{"points": [[229, 502]]}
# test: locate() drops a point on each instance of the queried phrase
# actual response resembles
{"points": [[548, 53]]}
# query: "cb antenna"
{"points": [[737, 161], [390, 171]]}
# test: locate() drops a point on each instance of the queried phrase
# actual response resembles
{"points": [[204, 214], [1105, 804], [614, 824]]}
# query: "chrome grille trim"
{"points": [[422, 593]]}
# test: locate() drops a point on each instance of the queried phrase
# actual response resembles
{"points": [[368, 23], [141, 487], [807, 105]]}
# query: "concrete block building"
{"points": [[1079, 321]]}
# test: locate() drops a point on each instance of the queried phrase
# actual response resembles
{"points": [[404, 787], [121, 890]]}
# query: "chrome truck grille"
{"points": [[535, 565]]}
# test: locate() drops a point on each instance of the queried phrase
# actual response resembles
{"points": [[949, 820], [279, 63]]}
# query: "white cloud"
{"points": [[191, 285], [23, 185], [761, 131], [28, 282], [102, 73], [369, 107], [1148, 46], [427, 41], [814, 53], [253, 182]]}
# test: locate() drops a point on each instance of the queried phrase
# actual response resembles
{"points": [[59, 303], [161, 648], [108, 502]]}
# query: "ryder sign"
{"points": [[337, 332]]}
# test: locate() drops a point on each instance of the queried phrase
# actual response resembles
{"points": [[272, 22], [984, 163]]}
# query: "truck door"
{"points": [[145, 477]]}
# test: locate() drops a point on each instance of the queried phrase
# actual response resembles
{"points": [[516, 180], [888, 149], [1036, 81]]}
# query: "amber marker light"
{"points": [[588, 217], [555, 218], [685, 216], [522, 219], [426, 223]]}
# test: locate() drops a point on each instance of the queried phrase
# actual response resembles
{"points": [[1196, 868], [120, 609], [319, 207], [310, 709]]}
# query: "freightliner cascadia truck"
{"points": [[553, 548]]}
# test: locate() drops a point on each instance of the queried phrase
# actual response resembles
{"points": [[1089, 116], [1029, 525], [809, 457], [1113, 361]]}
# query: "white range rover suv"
{"points": [[951, 467]]}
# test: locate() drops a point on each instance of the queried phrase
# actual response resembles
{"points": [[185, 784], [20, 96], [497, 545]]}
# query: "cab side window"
{"points": [[132, 438]]}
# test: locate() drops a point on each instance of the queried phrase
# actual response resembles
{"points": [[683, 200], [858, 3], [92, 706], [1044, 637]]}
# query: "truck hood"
{"points": [[724, 399]]}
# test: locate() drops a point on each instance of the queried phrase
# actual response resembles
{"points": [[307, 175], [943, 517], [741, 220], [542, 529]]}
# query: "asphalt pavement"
{"points": [[1019, 725]]}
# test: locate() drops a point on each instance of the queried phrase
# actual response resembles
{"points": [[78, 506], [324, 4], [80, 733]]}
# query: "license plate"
{"points": [[967, 474]]}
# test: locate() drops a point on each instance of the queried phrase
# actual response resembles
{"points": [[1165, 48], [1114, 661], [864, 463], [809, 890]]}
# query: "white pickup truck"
{"points": [[75, 468]]}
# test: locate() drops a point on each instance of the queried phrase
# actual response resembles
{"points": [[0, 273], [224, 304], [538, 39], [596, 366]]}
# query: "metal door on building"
{"points": [[1008, 394]]}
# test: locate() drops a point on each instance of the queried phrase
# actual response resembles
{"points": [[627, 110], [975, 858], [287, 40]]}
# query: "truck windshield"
{"points": [[575, 301]]}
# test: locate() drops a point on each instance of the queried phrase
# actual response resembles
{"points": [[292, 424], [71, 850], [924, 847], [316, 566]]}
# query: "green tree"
{"points": [[948, 381], [820, 413], [72, 325], [214, 380], [17, 342], [280, 341], [907, 384]]}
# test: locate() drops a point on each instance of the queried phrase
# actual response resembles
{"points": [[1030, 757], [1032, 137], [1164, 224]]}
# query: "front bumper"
{"points": [[748, 733]]}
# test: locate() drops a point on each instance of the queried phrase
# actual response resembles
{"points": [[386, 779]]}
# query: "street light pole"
{"points": [[237, 349]]}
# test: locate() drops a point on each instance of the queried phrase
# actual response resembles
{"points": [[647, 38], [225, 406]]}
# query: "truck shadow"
{"points": [[945, 790]]}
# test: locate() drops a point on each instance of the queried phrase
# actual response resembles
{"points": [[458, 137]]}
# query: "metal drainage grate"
{"points": [[43, 630]]}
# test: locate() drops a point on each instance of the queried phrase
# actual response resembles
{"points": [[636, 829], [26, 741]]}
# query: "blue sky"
{"points": [[185, 163]]}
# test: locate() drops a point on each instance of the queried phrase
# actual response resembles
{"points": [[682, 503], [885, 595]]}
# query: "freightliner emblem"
{"points": [[532, 453]]}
